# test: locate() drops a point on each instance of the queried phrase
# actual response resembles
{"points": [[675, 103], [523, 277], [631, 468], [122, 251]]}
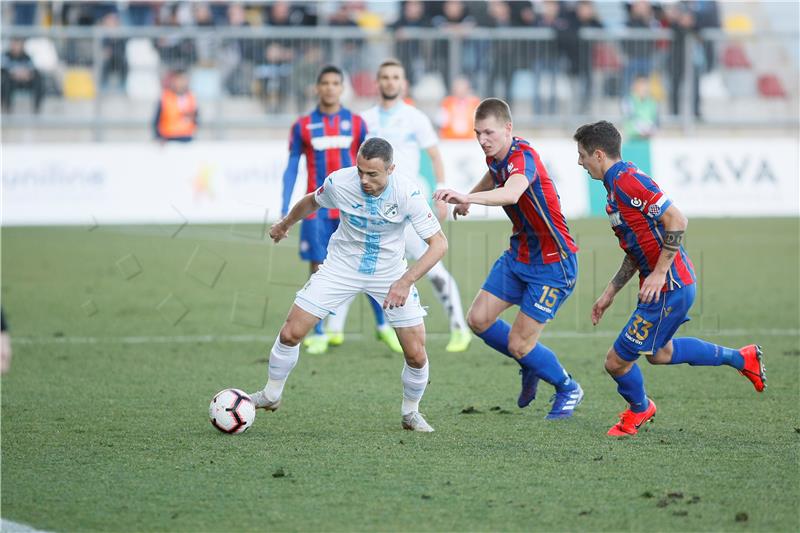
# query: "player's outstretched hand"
{"points": [[651, 288], [460, 210], [450, 196], [278, 231], [600, 306], [398, 294]]}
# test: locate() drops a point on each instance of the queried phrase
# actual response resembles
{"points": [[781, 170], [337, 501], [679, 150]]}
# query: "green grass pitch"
{"points": [[123, 334]]}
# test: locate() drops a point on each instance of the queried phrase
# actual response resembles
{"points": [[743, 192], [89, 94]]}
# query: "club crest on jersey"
{"points": [[635, 202], [391, 210], [345, 125]]}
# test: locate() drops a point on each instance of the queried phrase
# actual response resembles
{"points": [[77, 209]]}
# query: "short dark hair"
{"points": [[493, 107], [330, 69], [377, 147], [599, 136]]}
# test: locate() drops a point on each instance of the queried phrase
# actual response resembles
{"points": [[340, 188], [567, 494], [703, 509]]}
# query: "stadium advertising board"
{"points": [[225, 182]]}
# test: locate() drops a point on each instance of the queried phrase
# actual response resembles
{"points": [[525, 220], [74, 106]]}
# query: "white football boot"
{"points": [[261, 402], [415, 422]]}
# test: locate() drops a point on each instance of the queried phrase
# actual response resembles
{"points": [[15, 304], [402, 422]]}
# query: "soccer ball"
{"points": [[232, 411]]}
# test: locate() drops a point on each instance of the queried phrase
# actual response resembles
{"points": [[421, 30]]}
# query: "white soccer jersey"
{"points": [[407, 129], [370, 238]]}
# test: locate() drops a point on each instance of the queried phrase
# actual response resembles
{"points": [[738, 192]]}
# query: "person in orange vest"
{"points": [[456, 112], [176, 116]]}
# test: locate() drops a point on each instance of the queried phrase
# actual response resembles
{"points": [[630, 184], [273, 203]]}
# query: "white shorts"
{"points": [[329, 288]]}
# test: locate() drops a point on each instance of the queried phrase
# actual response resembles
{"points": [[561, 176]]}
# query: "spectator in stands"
{"points": [[411, 51], [640, 110], [19, 72], [639, 52], [579, 51], [273, 70], [682, 23], [239, 54], [456, 22], [114, 59], [547, 58], [456, 114], [505, 53], [177, 113], [141, 13], [176, 52], [205, 44]]}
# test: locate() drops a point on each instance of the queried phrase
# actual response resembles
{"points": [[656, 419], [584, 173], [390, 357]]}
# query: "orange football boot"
{"points": [[753, 368], [630, 422]]}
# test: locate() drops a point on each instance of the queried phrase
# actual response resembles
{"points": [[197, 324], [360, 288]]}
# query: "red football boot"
{"points": [[753, 368], [630, 422]]}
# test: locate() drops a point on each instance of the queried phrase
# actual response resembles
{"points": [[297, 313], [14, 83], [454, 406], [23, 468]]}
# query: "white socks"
{"points": [[446, 290], [282, 359], [337, 319], [414, 382]]}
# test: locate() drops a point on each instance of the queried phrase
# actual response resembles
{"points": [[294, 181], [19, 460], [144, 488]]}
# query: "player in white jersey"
{"points": [[365, 254], [410, 131]]}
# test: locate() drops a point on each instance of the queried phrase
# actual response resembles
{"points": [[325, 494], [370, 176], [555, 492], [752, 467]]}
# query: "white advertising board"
{"points": [[221, 182], [735, 177]]}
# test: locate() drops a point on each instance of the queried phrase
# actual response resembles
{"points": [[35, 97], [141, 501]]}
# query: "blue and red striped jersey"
{"points": [[329, 143], [541, 235], [635, 206]]}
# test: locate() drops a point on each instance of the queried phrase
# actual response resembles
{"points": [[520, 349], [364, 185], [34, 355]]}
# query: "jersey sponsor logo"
{"points": [[636, 202], [391, 210], [330, 142], [314, 125]]}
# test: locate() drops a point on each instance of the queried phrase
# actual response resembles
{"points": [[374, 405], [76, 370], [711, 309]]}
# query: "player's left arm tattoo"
{"points": [[673, 239]]}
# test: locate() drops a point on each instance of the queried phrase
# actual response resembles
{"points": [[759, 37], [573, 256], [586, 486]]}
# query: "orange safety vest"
{"points": [[459, 118], [178, 112]]}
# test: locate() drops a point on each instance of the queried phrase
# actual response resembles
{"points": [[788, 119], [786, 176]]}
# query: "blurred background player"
{"points": [[538, 271], [409, 131], [366, 255], [329, 138], [176, 115], [650, 230]]}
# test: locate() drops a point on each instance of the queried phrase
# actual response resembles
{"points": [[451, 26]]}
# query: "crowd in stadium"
{"points": [[281, 70]]}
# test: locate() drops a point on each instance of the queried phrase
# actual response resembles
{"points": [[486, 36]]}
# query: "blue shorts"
{"points": [[538, 290], [652, 325], [315, 233]]}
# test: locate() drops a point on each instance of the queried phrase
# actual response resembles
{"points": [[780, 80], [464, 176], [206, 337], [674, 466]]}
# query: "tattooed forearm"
{"points": [[673, 239], [625, 273]]}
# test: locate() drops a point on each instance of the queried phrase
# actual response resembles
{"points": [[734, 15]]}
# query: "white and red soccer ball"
{"points": [[232, 411]]}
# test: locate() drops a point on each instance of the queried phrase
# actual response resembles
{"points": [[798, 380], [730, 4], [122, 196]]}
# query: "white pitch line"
{"points": [[188, 339]]}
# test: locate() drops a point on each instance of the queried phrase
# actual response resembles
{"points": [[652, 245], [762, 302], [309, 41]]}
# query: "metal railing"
{"points": [[263, 77]]}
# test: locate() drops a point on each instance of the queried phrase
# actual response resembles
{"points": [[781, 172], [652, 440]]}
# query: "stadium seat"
{"points": [[143, 85], [605, 57], [206, 83], [734, 56], [141, 53], [43, 54], [78, 84], [769, 86], [522, 84], [738, 23], [364, 84]]}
